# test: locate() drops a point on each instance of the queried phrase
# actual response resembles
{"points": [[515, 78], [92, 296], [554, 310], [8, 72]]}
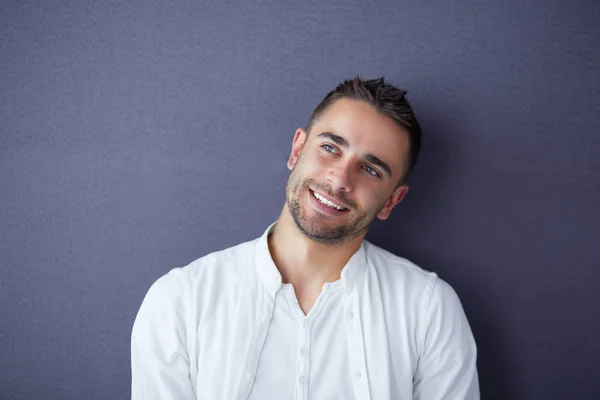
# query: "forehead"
{"points": [[366, 130]]}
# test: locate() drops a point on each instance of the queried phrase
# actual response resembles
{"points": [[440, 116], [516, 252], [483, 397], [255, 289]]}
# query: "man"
{"points": [[310, 310]]}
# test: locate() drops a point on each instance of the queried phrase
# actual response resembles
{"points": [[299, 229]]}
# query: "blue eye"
{"points": [[371, 171], [329, 148]]}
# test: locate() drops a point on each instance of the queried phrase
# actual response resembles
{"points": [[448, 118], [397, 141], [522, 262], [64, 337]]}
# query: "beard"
{"points": [[322, 228]]}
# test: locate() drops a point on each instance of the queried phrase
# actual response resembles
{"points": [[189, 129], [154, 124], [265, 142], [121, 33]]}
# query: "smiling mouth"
{"points": [[326, 202]]}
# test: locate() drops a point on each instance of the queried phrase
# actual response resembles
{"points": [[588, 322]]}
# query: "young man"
{"points": [[310, 310]]}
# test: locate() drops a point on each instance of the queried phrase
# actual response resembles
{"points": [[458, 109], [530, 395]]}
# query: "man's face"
{"points": [[345, 173]]}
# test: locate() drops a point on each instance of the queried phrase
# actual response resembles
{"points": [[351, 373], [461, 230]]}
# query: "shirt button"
{"points": [[358, 375], [302, 379], [265, 318], [350, 315], [250, 378], [303, 351]]}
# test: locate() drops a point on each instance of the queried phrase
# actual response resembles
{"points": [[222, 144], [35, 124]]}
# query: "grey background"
{"points": [[139, 136]]}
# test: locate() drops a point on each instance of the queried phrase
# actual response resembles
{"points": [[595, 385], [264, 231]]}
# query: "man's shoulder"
{"points": [[404, 276], [396, 269], [218, 265], [384, 259], [197, 283], [224, 260]]}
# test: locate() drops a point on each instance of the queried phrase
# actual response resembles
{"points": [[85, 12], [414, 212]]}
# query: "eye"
{"points": [[329, 148], [371, 171]]}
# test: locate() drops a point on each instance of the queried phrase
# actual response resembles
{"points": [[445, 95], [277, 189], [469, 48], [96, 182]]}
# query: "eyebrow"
{"points": [[369, 157]]}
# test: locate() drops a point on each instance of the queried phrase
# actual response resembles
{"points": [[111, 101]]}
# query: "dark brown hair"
{"points": [[388, 100]]}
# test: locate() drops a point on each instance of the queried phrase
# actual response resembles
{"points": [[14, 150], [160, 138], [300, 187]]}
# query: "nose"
{"points": [[339, 176]]}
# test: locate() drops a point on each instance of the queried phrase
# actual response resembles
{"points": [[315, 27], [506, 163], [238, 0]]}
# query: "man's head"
{"points": [[387, 100], [351, 163]]}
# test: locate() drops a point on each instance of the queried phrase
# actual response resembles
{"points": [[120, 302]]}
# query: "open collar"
{"points": [[271, 278]]}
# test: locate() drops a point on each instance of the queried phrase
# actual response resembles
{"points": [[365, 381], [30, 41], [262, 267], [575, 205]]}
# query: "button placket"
{"points": [[303, 366], [356, 342], [263, 320], [304, 343]]}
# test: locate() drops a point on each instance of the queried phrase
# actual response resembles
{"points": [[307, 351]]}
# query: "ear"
{"points": [[297, 146], [394, 199]]}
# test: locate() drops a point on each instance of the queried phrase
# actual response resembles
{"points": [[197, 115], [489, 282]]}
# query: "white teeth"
{"points": [[327, 202]]}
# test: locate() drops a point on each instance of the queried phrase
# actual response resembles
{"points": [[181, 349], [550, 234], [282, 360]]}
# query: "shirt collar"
{"points": [[271, 277], [355, 268], [267, 271]]}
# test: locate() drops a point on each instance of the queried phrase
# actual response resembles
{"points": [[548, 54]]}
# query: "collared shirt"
{"points": [[212, 330], [305, 356]]}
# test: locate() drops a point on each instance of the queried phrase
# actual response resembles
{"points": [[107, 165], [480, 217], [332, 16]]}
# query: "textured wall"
{"points": [[136, 137]]}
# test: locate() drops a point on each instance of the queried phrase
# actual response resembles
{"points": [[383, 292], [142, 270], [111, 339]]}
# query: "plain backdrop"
{"points": [[139, 136]]}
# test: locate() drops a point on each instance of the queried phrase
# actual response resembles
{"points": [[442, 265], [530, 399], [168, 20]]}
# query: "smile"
{"points": [[326, 202]]}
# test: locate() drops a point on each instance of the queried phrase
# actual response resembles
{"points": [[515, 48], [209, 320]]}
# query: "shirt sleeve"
{"points": [[447, 365], [160, 367]]}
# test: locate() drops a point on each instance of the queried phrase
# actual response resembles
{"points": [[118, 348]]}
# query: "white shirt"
{"points": [[219, 329], [305, 356]]}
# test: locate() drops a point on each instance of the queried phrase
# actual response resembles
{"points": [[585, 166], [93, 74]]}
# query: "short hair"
{"points": [[387, 100]]}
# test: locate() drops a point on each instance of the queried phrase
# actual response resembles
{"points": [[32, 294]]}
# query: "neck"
{"points": [[304, 262]]}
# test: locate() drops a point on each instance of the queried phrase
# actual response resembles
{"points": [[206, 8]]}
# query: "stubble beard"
{"points": [[316, 228]]}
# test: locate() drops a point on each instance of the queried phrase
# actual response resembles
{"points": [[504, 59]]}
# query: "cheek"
{"points": [[300, 174], [376, 201], [310, 165]]}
